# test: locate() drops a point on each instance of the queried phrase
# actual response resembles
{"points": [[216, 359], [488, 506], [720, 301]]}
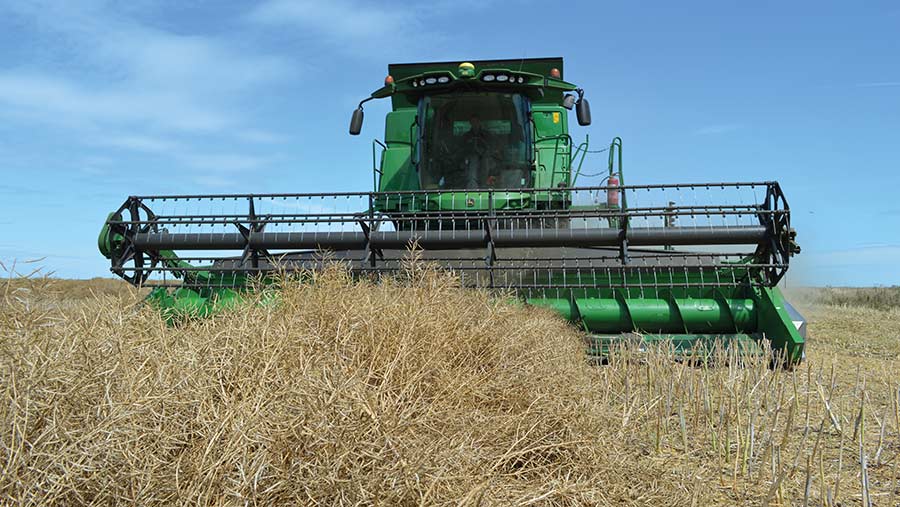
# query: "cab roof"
{"points": [[540, 66]]}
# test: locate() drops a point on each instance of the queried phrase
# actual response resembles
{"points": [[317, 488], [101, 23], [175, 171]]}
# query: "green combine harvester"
{"points": [[478, 169]]}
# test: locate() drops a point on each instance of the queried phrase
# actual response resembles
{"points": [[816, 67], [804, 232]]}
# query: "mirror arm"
{"points": [[363, 101]]}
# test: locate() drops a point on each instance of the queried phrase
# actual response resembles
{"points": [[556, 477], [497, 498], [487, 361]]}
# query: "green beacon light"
{"points": [[466, 70]]}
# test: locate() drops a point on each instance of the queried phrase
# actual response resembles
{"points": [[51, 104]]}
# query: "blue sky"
{"points": [[100, 100]]}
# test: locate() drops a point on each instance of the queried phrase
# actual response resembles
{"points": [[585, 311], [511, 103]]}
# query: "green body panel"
{"points": [[553, 146], [776, 326], [398, 127], [397, 171], [186, 303]]}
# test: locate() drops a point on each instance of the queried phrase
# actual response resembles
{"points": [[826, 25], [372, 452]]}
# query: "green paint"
{"points": [[747, 313], [688, 315], [109, 241]]}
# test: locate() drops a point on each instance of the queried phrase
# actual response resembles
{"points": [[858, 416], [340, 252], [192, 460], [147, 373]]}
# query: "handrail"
{"points": [[375, 168], [567, 142], [583, 149]]}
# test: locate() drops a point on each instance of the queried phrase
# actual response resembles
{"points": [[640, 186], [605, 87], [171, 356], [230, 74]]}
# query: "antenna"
{"points": [[522, 61]]}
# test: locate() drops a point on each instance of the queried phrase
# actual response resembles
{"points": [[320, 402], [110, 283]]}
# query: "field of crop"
{"points": [[417, 392]]}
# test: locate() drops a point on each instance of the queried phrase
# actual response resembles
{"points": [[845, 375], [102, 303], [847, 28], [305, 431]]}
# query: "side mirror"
{"points": [[568, 101], [583, 112], [356, 122]]}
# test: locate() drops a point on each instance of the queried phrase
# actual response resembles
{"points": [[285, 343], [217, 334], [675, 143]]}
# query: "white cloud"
{"points": [[63, 102], [96, 71], [214, 181], [90, 170], [138, 54], [224, 162], [721, 128], [364, 28], [260, 136], [16, 190], [340, 19], [147, 144], [185, 154]]}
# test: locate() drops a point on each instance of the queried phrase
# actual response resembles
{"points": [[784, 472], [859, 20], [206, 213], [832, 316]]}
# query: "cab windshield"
{"points": [[474, 140]]}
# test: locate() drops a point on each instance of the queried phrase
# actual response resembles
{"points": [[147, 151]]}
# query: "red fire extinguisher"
{"points": [[612, 191]]}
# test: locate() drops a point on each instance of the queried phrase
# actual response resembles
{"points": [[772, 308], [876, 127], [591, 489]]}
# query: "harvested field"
{"points": [[877, 298], [420, 393]]}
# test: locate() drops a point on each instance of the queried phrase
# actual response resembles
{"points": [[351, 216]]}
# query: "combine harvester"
{"points": [[478, 169]]}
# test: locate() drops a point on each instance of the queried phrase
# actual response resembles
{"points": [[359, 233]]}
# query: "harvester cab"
{"points": [[477, 125], [478, 171]]}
